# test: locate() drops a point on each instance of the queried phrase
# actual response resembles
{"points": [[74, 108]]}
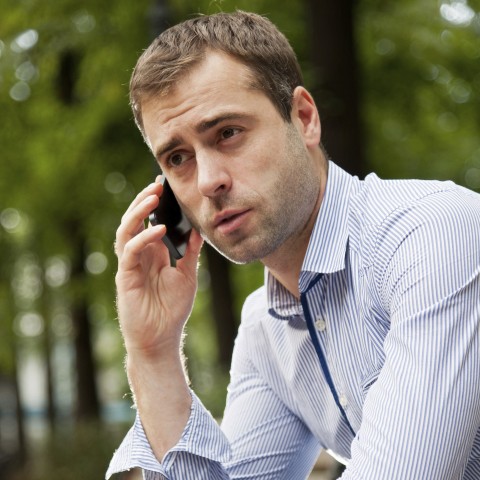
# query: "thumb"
{"points": [[190, 260]]}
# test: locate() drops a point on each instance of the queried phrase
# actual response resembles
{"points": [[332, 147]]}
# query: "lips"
{"points": [[230, 220]]}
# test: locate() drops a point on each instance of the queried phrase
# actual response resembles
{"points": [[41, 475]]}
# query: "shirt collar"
{"points": [[327, 247], [328, 243]]}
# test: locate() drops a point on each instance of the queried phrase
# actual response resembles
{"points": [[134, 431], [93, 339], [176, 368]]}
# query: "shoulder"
{"points": [[420, 239], [255, 307], [386, 212], [379, 199]]}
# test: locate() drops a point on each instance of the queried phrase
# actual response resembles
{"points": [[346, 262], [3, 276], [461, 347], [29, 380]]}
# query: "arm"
{"points": [[154, 302], [259, 439], [268, 442], [422, 416]]}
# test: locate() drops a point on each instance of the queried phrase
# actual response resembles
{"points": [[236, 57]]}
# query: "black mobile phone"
{"points": [[170, 214]]}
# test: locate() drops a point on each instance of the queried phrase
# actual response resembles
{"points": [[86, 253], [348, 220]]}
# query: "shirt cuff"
{"points": [[202, 437]]}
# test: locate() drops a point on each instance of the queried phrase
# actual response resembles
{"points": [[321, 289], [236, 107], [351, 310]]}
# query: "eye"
{"points": [[176, 159], [229, 132]]}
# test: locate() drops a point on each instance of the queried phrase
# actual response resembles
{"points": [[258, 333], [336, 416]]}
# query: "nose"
{"points": [[213, 176]]}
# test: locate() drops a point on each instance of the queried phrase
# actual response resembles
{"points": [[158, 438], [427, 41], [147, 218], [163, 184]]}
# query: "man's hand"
{"points": [[154, 298]]}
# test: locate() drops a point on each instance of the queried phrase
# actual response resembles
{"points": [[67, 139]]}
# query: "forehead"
{"points": [[218, 83]]}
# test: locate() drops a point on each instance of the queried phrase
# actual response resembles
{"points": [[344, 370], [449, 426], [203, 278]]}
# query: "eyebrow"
{"points": [[167, 147], [202, 127], [206, 125]]}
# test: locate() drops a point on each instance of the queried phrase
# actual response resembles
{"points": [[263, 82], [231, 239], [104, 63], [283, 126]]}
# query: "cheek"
{"points": [[192, 210]]}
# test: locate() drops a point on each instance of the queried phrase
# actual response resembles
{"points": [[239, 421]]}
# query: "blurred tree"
{"points": [[421, 88], [335, 82], [224, 316], [66, 135], [87, 405]]}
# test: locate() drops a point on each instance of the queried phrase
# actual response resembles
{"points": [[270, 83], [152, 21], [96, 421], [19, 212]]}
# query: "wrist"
{"points": [[162, 398], [153, 350], [165, 365]]}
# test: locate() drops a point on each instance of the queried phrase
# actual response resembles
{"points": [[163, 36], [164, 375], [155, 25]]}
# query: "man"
{"points": [[364, 340]]}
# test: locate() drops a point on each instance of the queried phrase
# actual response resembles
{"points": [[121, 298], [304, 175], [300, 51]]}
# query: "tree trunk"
{"points": [[88, 405], [336, 91], [47, 352], [222, 305], [20, 419]]}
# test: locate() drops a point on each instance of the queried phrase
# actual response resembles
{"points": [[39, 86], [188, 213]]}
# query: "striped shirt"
{"points": [[378, 362]]}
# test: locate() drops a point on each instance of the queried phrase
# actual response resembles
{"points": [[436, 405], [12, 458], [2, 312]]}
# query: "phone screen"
{"points": [[170, 214]]}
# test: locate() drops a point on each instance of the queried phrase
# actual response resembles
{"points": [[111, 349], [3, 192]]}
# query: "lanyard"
{"points": [[318, 349]]}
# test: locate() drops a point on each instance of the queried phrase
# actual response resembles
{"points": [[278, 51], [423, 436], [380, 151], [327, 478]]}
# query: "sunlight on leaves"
{"points": [[96, 263], [25, 41], [57, 271], [10, 219], [84, 22], [20, 91], [29, 324], [115, 182], [457, 12]]}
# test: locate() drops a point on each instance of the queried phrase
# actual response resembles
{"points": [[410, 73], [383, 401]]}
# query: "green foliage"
{"points": [[73, 454], [421, 88]]}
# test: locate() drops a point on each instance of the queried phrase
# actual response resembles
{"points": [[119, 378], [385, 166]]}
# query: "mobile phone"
{"points": [[170, 214]]}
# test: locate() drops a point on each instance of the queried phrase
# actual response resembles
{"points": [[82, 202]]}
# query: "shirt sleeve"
{"points": [[190, 458], [268, 441], [259, 437], [421, 419]]}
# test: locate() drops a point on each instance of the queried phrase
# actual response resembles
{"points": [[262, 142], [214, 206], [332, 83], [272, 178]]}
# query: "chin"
{"points": [[232, 254], [241, 253]]}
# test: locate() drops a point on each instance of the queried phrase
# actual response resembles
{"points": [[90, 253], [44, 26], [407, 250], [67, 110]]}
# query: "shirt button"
{"points": [[320, 324], [343, 401]]}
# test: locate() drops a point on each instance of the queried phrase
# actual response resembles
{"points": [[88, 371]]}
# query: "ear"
{"points": [[305, 117]]}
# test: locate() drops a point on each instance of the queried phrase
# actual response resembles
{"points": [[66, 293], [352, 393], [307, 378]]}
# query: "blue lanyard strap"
{"points": [[320, 354]]}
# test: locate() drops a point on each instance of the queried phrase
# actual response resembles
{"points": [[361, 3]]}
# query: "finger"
{"points": [[154, 188], [190, 260], [133, 250], [133, 221]]}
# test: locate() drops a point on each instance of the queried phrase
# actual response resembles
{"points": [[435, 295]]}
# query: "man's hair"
{"points": [[248, 37]]}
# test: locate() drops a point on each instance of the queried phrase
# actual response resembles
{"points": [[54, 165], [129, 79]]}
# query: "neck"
{"points": [[287, 270], [286, 262]]}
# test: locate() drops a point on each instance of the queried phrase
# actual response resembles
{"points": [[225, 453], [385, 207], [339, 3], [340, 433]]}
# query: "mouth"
{"points": [[228, 221]]}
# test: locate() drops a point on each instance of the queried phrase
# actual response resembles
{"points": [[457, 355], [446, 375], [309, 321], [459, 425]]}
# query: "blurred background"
{"points": [[397, 83]]}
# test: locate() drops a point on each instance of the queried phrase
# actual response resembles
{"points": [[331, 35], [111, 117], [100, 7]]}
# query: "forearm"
{"points": [[162, 397], [259, 435]]}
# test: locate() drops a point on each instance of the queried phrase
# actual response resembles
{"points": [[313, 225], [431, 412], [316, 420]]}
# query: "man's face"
{"points": [[243, 176]]}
